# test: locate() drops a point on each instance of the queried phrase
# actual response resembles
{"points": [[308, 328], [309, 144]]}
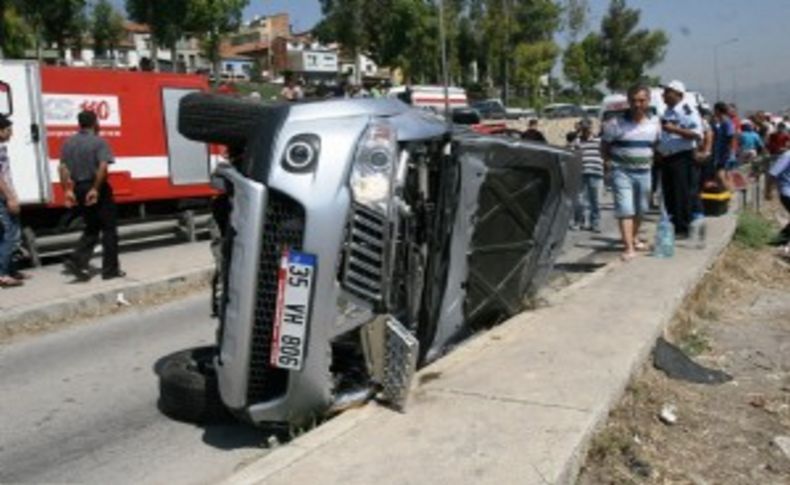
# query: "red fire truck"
{"points": [[138, 113]]}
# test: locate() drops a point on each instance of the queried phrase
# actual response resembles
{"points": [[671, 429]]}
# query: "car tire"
{"points": [[188, 388], [220, 119]]}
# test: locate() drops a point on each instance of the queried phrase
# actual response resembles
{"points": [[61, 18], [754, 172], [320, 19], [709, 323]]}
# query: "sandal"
{"points": [[641, 245], [18, 275], [9, 282]]}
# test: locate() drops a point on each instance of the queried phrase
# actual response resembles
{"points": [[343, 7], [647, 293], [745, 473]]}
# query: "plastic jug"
{"points": [[665, 239]]}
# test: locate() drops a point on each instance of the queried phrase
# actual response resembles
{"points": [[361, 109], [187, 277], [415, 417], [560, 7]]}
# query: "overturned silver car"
{"points": [[361, 238]]}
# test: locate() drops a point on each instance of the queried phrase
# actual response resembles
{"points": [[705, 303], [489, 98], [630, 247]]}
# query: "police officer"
{"points": [[84, 162], [681, 131]]}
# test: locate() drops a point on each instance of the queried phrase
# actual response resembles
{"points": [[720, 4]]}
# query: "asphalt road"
{"points": [[79, 405]]}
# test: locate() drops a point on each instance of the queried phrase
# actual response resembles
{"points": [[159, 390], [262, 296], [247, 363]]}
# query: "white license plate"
{"points": [[295, 284]]}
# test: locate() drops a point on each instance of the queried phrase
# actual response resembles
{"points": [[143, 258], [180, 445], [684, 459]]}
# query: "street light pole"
{"points": [[445, 77], [716, 63]]}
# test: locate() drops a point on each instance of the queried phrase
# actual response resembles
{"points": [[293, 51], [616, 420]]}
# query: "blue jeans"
{"points": [[9, 238], [631, 191], [588, 200]]}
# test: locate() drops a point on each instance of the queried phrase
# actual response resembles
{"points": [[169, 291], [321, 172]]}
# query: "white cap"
{"points": [[676, 86]]}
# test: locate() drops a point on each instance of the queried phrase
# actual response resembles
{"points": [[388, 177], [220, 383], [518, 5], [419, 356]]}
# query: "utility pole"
{"points": [[445, 80], [505, 50], [716, 63]]}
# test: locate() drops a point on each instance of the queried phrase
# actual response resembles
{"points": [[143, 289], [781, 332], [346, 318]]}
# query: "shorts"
{"points": [[631, 191], [728, 166]]}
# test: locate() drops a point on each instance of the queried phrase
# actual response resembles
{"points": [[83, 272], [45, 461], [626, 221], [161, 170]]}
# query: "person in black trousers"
{"points": [[681, 128], [84, 163]]}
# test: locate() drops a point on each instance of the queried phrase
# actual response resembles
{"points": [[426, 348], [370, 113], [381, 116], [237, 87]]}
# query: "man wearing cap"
{"points": [[9, 212], [681, 130], [84, 163]]}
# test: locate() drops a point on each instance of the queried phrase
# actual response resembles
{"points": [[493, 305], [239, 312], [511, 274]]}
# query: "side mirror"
{"points": [[6, 105]]}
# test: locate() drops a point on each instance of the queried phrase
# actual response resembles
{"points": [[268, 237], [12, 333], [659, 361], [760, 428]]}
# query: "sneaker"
{"points": [[114, 274]]}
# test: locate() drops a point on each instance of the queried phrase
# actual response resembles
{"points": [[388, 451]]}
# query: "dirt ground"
{"points": [[738, 320]]}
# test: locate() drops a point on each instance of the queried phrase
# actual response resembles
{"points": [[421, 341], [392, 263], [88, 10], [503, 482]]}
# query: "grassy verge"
{"points": [[753, 230]]}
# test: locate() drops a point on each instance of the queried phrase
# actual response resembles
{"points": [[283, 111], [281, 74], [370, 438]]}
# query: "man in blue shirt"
{"points": [[681, 130], [723, 138]]}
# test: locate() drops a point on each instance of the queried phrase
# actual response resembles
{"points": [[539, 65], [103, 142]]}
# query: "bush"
{"points": [[753, 230]]}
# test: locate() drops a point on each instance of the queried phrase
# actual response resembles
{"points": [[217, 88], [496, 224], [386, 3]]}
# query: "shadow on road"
{"points": [[235, 435], [580, 267]]}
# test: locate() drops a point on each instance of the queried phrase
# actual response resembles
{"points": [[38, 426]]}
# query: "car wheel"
{"points": [[188, 389], [223, 120]]}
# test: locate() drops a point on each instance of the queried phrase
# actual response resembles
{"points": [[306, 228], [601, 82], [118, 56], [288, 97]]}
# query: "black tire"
{"points": [[188, 389], [219, 119]]}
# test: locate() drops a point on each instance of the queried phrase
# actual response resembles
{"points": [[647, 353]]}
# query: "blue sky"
{"points": [[759, 57]]}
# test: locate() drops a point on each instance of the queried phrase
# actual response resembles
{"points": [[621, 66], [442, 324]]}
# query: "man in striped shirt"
{"points": [[628, 144], [589, 148]]}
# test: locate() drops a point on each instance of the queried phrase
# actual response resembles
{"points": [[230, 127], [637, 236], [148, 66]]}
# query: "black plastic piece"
{"points": [[677, 365]]}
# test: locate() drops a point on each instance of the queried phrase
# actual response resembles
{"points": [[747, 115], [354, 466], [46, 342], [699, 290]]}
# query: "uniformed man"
{"points": [[681, 131], [84, 162]]}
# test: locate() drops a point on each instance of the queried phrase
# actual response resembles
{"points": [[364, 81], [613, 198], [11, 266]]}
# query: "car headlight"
{"points": [[301, 153], [372, 170]]}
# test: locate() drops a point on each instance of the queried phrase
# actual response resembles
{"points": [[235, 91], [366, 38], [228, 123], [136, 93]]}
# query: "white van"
{"points": [[431, 97]]}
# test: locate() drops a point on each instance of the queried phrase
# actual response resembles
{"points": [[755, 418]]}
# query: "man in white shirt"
{"points": [[681, 131]]}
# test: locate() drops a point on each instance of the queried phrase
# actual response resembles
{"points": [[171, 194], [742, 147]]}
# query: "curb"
{"points": [[570, 471], [101, 302]]}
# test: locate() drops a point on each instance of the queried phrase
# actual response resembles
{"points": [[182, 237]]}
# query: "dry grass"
{"points": [[724, 432]]}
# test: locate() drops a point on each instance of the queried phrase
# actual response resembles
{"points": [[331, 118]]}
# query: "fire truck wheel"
{"points": [[188, 389], [211, 118]]}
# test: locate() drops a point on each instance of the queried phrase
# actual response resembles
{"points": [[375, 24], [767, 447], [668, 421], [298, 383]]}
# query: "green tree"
{"points": [[520, 40], [397, 33], [15, 34], [62, 22], [348, 23], [576, 13], [532, 61], [583, 65], [211, 20], [107, 28], [627, 52], [145, 12]]}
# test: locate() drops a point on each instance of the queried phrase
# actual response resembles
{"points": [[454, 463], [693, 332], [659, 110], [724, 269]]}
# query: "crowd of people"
{"points": [[674, 157]]}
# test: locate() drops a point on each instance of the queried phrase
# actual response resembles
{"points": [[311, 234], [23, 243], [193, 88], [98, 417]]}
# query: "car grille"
{"points": [[283, 228], [364, 266]]}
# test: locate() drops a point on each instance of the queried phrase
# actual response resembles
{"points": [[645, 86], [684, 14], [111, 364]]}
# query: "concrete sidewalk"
{"points": [[51, 296], [518, 404]]}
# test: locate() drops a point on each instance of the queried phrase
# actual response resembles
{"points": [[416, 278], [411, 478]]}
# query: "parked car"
{"points": [[521, 113], [362, 238], [563, 110], [490, 109], [592, 110]]}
